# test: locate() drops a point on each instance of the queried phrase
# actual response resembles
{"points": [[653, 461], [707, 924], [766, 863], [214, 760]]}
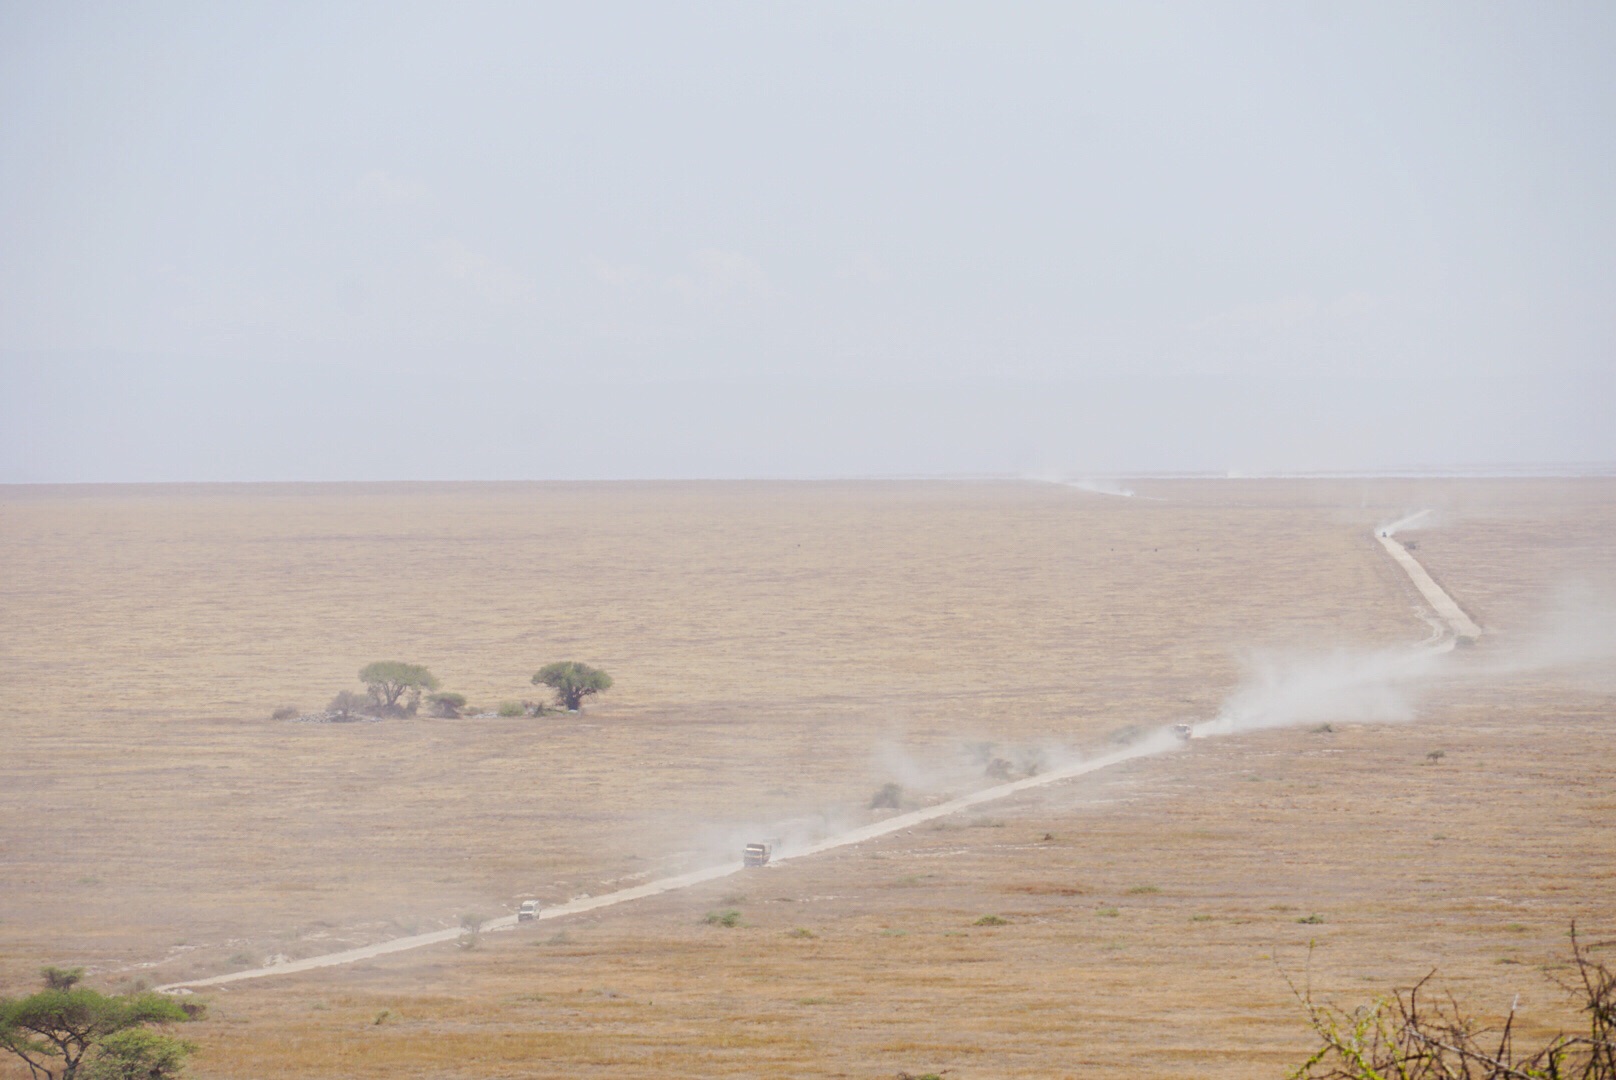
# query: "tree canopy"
{"points": [[389, 680], [572, 681], [54, 1029]]}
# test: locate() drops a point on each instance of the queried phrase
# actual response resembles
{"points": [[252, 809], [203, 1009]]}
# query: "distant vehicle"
{"points": [[757, 854], [1183, 731], [528, 911]]}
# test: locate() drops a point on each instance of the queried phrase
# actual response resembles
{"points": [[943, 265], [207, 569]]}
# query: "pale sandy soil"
{"points": [[768, 642]]}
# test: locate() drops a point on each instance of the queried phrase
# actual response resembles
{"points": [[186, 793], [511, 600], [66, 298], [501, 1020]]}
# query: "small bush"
{"points": [[61, 978], [1143, 890], [890, 797], [1435, 756], [348, 704], [447, 704], [1311, 920], [1107, 912], [991, 920], [801, 933], [511, 708], [241, 959], [731, 899], [730, 918], [286, 712]]}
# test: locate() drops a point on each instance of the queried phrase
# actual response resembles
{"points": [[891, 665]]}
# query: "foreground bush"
{"points": [[1407, 1038], [68, 1032]]}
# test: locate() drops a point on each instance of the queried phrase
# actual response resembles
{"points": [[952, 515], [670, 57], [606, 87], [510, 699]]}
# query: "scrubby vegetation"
{"points": [[890, 797], [347, 704], [447, 704], [1408, 1037]]}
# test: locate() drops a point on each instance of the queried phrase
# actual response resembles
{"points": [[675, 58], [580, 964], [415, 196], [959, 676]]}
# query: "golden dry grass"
{"points": [[767, 639]]}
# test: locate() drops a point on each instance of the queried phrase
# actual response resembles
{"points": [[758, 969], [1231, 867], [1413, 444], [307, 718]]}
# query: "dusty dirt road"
{"points": [[1160, 741], [1447, 609], [1154, 744]]}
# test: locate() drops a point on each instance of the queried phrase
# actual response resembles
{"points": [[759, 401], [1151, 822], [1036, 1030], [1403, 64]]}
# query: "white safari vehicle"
{"points": [[528, 911], [757, 854]]}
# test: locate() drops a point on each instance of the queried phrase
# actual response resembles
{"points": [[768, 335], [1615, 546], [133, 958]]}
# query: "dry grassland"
{"points": [[772, 644]]}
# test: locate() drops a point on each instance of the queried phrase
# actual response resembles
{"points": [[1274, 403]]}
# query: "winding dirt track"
{"points": [[1446, 608]]}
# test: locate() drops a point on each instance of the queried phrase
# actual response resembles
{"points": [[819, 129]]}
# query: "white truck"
{"points": [[528, 911], [757, 854]]}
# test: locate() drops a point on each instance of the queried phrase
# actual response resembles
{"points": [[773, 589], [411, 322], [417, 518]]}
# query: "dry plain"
{"points": [[780, 651]]}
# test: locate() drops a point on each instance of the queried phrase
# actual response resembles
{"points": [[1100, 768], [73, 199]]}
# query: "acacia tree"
{"points": [[389, 680], [53, 1030], [572, 681]]}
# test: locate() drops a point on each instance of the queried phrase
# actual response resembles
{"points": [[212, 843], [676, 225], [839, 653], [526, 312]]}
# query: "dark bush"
{"points": [[348, 704], [890, 797], [447, 704]]}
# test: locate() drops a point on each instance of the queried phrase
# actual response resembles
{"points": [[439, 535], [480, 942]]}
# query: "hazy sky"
{"points": [[411, 241]]}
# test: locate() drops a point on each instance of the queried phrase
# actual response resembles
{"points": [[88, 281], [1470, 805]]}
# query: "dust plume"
{"points": [[1573, 638], [1092, 485], [1575, 633], [1284, 689], [1419, 519]]}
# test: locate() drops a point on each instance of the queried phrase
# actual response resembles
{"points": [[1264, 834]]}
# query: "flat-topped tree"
{"points": [[389, 680], [69, 1032], [572, 681]]}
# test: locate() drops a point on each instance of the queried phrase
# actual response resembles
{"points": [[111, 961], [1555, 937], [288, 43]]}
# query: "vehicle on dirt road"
{"points": [[528, 911], [757, 854]]}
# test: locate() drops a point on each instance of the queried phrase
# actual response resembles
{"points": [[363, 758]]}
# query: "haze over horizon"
{"points": [[408, 242]]}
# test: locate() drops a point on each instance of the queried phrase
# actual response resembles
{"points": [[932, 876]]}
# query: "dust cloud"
{"points": [[1574, 637], [1419, 519]]}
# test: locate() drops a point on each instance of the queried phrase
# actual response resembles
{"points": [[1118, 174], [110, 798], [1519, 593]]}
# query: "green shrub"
{"points": [[730, 918], [447, 704], [511, 708], [286, 712], [991, 920]]}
